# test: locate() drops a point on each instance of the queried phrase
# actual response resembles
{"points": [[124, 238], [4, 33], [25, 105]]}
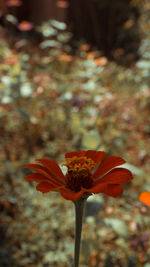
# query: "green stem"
{"points": [[79, 213]]}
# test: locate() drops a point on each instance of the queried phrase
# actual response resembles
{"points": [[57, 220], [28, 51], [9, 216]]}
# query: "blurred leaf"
{"points": [[50, 43], [91, 140], [58, 25], [12, 19]]}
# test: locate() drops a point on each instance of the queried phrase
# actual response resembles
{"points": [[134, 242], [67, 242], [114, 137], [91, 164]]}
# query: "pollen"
{"points": [[79, 173], [76, 164]]}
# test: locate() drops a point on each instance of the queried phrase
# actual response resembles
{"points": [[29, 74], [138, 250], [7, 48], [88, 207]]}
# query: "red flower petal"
{"points": [[145, 198], [53, 168], [113, 190], [45, 172], [45, 187], [107, 164], [96, 156], [71, 195], [38, 168], [99, 188], [37, 177], [116, 176]]}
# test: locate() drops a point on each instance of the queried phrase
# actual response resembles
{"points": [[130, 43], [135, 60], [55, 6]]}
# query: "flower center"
{"points": [[79, 164], [79, 173]]}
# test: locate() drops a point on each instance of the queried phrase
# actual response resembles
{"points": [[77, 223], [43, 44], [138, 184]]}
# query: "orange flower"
{"points": [[145, 198], [84, 47], [62, 4], [128, 24], [101, 61], [91, 55], [65, 57], [25, 26], [14, 3], [87, 172]]}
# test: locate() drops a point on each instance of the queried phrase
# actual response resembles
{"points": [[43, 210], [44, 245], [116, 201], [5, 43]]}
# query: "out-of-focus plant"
{"points": [[54, 33]]}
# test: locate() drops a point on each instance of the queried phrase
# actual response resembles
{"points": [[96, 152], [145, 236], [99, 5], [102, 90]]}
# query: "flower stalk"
{"points": [[88, 172], [79, 214]]}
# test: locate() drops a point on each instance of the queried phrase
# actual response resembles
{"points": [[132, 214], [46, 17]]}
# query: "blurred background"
{"points": [[74, 75]]}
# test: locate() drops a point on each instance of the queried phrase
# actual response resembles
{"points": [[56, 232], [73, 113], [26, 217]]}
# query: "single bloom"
{"points": [[84, 47], [65, 57], [62, 4], [88, 172], [25, 26], [145, 198], [101, 61], [14, 3]]}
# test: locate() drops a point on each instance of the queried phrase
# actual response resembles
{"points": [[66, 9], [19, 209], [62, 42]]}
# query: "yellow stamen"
{"points": [[76, 164]]}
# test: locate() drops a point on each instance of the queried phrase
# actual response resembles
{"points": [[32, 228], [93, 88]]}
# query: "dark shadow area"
{"points": [[111, 26], [7, 213]]}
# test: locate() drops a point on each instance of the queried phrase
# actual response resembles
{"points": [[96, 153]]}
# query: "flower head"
{"points": [[15, 3], [145, 198], [62, 4], [88, 172], [25, 26], [84, 47], [65, 57]]}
